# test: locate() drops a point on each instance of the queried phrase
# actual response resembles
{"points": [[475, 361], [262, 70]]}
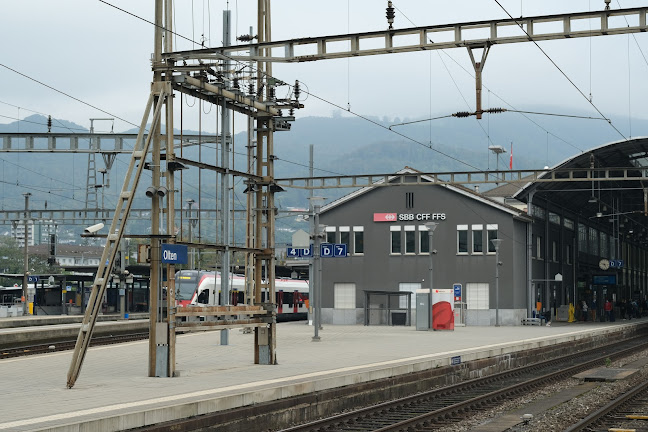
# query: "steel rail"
{"points": [[474, 403], [609, 408]]}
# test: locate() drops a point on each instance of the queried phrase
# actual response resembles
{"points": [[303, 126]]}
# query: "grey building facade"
{"points": [[387, 241]]}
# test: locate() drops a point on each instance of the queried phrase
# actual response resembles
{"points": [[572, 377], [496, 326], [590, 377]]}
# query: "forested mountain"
{"points": [[343, 144]]}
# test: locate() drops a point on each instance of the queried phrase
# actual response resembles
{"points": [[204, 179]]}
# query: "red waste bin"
{"points": [[442, 309]]}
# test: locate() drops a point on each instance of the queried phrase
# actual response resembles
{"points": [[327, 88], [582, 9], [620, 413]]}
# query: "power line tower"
{"points": [[211, 82]]}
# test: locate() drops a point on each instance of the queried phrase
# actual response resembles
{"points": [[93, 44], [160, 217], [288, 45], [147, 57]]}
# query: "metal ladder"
{"points": [[159, 92]]}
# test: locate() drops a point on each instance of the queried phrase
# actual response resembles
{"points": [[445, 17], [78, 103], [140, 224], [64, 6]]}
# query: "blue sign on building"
{"points": [[616, 264], [174, 254]]}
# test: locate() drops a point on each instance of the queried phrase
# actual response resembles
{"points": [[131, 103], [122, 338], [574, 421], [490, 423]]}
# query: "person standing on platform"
{"points": [[584, 310], [608, 310]]}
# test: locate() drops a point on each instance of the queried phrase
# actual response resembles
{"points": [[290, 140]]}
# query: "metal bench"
{"points": [[533, 321]]}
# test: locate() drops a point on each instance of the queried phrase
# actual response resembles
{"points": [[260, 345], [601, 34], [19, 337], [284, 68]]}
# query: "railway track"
{"points": [[628, 412], [449, 405], [68, 345]]}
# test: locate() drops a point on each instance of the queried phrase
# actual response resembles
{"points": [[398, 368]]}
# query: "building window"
{"points": [[582, 238], [344, 296], [330, 234], [462, 239], [478, 239], [410, 239], [405, 287], [396, 243], [554, 218], [492, 235], [409, 200], [424, 239], [569, 224], [345, 236], [593, 242], [358, 240], [477, 296]]}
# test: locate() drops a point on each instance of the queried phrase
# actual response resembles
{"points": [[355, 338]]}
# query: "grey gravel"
{"points": [[563, 415]]}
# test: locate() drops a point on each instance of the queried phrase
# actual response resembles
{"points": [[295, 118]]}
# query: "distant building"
{"points": [[70, 255]]}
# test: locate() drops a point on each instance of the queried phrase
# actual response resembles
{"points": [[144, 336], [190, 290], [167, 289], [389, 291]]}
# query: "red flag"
{"points": [[511, 159]]}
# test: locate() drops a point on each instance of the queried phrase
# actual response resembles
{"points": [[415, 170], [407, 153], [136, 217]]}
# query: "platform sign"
{"points": [[340, 250], [174, 254], [33, 279], [456, 360], [326, 250], [457, 291], [616, 264], [296, 252]]}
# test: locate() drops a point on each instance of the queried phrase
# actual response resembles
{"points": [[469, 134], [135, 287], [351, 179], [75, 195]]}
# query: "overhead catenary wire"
{"points": [[560, 70]]}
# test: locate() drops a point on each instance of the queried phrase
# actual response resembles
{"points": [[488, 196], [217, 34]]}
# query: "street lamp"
{"points": [[431, 226], [496, 242]]}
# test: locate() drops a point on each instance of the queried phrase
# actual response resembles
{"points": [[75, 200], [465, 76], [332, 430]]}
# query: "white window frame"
{"points": [[423, 233], [410, 229], [462, 228], [474, 229], [358, 229], [330, 229], [489, 228], [393, 229], [345, 229]]}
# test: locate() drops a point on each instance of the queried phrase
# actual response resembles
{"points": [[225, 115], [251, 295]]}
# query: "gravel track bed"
{"points": [[563, 415]]}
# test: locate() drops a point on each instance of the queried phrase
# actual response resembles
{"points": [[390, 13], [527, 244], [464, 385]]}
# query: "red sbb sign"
{"points": [[385, 217], [394, 217]]}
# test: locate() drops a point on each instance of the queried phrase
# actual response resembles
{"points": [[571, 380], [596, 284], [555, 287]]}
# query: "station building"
{"points": [[562, 242]]}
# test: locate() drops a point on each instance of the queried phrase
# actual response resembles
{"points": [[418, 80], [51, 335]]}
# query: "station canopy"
{"points": [[614, 185]]}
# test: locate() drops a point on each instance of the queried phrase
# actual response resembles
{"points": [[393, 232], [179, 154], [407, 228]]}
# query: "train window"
{"points": [[203, 298]]}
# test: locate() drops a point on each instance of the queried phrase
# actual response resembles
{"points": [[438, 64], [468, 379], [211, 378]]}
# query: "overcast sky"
{"points": [[101, 55]]}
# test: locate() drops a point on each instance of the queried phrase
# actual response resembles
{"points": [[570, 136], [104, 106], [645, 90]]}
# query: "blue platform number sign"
{"points": [[455, 360], [292, 252], [174, 254], [33, 279], [340, 250], [326, 250], [616, 264]]}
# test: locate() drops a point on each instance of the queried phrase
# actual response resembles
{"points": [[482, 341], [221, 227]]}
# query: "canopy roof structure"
{"points": [[616, 185]]}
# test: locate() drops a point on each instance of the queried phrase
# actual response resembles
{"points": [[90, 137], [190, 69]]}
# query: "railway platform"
{"points": [[114, 392]]}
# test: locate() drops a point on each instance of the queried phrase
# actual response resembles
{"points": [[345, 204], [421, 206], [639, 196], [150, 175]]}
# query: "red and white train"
{"points": [[196, 287]]}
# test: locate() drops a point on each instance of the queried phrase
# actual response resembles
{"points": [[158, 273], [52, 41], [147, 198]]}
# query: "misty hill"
{"points": [[342, 145]]}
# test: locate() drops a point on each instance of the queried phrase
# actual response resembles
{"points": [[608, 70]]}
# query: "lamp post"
{"points": [[496, 243], [431, 226], [315, 279], [26, 257]]}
